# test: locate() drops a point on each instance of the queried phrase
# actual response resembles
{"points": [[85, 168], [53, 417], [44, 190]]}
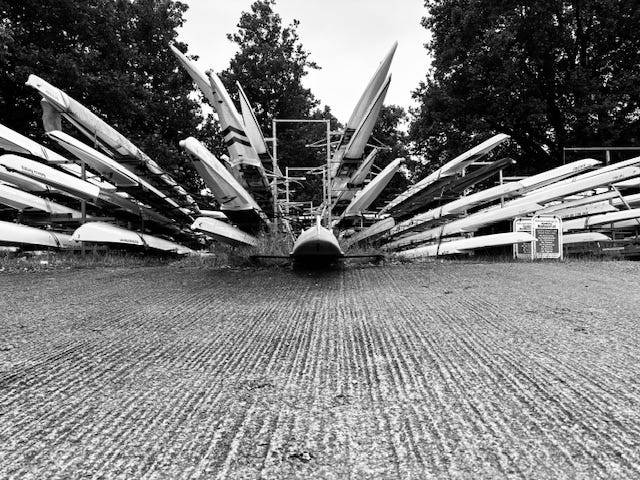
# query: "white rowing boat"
{"points": [[516, 208], [561, 173], [252, 127], [224, 232], [633, 224], [24, 183], [16, 143], [460, 205], [371, 232], [447, 170], [229, 193], [348, 155], [105, 166], [106, 233], [15, 234], [358, 141], [365, 197], [584, 210], [54, 178], [586, 237], [370, 92], [20, 200], [569, 202], [358, 178], [57, 103], [316, 244], [463, 245], [463, 225], [581, 183], [601, 219], [235, 202]]}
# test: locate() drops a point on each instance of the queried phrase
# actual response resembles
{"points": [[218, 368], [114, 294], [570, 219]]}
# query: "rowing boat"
{"points": [[106, 233], [365, 197], [315, 245], [463, 245], [15, 234], [224, 232]]}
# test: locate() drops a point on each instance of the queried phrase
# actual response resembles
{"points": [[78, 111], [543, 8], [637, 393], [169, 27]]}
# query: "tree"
{"points": [[112, 56], [270, 65], [550, 74]]}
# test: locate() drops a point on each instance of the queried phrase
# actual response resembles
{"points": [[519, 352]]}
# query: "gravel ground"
{"points": [[436, 370]]}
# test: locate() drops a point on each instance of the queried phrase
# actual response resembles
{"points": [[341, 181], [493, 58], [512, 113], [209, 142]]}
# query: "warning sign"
{"points": [[547, 232], [522, 250]]}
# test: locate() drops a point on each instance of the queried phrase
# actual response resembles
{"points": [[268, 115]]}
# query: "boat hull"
{"points": [[224, 232], [105, 233], [25, 237], [317, 245]]}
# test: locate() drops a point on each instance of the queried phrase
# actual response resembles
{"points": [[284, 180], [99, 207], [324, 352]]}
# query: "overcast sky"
{"points": [[347, 38]]}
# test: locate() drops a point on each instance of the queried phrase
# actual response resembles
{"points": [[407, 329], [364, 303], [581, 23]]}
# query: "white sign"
{"points": [[547, 231], [548, 234], [522, 250]]}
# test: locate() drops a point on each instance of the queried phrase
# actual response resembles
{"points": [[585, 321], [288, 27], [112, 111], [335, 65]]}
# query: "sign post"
{"points": [[522, 250], [547, 232]]}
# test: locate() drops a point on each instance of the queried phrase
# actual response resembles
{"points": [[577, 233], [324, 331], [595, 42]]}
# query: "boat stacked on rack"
{"points": [[584, 194], [105, 190]]}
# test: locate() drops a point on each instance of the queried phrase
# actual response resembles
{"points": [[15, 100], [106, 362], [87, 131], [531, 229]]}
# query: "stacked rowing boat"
{"points": [[588, 197], [105, 190]]}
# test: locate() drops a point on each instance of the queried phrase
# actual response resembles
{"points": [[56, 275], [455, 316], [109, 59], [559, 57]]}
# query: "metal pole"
{"points": [[328, 173], [501, 176], [607, 157], [324, 186], [83, 203], [275, 178], [326, 179], [286, 183]]}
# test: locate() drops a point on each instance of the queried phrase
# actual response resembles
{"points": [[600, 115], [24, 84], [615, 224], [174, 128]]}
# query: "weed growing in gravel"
{"points": [[52, 260], [225, 256]]}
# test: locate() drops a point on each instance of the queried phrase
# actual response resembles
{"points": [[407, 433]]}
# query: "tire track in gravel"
{"points": [[595, 394], [247, 353], [29, 375], [278, 349], [293, 360], [476, 348], [477, 418], [416, 384], [397, 374], [374, 374], [482, 364], [564, 405], [476, 334]]}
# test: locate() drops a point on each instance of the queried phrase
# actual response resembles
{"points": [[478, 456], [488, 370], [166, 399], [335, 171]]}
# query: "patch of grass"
{"points": [[221, 255], [44, 261], [376, 255]]}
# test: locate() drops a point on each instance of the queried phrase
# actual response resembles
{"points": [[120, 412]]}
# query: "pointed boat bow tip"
{"points": [[33, 81]]}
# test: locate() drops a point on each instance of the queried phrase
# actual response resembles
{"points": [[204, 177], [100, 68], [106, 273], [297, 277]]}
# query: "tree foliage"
{"points": [[112, 56], [270, 65], [551, 74]]}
